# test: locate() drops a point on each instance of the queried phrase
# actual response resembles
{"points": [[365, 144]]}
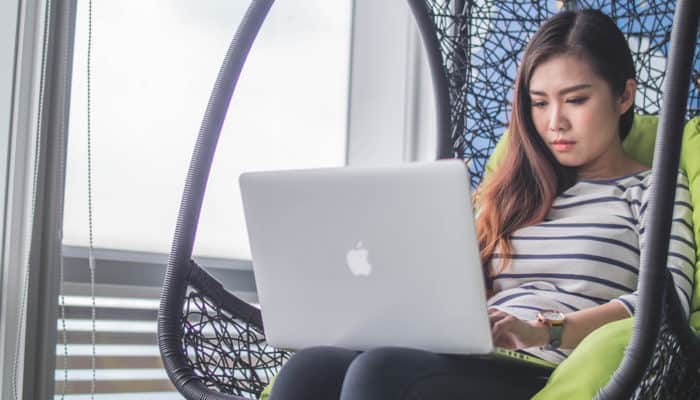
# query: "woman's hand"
{"points": [[512, 333]]}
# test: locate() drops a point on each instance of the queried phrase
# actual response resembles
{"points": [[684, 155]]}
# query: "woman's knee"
{"points": [[383, 373], [381, 359], [317, 371]]}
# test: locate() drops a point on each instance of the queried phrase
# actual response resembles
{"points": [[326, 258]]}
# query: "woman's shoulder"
{"points": [[646, 178], [620, 184], [633, 186], [640, 179], [641, 188]]}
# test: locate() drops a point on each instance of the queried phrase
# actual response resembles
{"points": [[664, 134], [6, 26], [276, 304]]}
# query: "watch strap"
{"points": [[555, 334]]}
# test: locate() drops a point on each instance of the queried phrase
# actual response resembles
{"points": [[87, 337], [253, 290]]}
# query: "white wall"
{"points": [[391, 101]]}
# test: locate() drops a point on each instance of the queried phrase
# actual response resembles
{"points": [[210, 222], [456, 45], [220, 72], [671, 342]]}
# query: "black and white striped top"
{"points": [[586, 252]]}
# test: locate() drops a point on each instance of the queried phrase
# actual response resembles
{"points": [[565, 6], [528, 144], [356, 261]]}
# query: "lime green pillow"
{"points": [[266, 393], [690, 163], [590, 366]]}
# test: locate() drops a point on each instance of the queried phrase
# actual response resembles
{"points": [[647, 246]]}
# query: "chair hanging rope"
{"points": [[170, 314], [449, 126]]}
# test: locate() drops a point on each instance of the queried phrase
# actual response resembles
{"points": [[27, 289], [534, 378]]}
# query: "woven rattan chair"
{"points": [[213, 344]]}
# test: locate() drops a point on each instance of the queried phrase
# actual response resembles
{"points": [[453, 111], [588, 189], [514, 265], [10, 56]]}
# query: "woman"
{"points": [[560, 226]]}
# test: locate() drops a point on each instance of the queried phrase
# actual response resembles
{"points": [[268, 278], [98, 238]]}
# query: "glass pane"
{"points": [[154, 64]]}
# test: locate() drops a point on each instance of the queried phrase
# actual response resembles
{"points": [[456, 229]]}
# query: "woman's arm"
{"points": [[512, 333]]}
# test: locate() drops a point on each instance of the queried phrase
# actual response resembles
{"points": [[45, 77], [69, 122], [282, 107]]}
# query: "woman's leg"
{"points": [[405, 374], [313, 373]]}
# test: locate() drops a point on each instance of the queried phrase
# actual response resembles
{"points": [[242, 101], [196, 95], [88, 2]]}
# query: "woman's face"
{"points": [[577, 115]]}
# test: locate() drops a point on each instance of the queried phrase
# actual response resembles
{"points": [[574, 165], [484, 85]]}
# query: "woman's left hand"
{"points": [[512, 333]]}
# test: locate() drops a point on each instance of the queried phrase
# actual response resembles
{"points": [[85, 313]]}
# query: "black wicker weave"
{"points": [[224, 347], [212, 343], [673, 371]]}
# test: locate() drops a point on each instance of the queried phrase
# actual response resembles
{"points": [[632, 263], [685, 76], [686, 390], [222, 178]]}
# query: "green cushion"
{"points": [[266, 393], [639, 143], [589, 367], [690, 163]]}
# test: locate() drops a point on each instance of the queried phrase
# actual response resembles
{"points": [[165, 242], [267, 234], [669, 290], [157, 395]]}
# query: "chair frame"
{"points": [[188, 285], [182, 276]]}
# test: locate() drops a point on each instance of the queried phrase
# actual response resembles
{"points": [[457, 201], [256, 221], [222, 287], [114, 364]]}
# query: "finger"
{"points": [[507, 333], [495, 313], [502, 338], [494, 310], [504, 322], [501, 325], [505, 342], [493, 319], [497, 316]]}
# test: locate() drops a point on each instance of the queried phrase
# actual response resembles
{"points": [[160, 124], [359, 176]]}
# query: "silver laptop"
{"points": [[363, 257]]}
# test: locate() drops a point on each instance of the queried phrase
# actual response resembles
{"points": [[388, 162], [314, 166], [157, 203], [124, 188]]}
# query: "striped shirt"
{"points": [[586, 252]]}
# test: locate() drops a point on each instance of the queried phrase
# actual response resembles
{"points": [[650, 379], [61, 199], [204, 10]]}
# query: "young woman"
{"points": [[560, 226]]}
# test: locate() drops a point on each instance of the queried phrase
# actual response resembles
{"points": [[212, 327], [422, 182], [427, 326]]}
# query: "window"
{"points": [[153, 66], [151, 84]]}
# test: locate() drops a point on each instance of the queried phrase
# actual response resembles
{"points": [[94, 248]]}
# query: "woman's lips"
{"points": [[563, 145]]}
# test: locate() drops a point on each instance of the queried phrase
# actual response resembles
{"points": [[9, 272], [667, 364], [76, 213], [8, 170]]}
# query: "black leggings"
{"points": [[393, 373]]}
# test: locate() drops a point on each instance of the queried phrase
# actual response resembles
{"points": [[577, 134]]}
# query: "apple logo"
{"points": [[357, 260]]}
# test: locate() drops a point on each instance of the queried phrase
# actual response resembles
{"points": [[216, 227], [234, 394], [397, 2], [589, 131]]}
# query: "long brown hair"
{"points": [[528, 179]]}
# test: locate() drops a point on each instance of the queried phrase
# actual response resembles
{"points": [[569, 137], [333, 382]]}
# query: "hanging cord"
{"points": [[21, 325], [91, 259], [91, 256], [64, 331]]}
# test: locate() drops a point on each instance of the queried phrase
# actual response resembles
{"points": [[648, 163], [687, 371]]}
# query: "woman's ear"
{"points": [[627, 98]]}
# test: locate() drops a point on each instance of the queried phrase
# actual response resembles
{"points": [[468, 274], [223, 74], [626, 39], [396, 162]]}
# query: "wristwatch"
{"points": [[554, 319]]}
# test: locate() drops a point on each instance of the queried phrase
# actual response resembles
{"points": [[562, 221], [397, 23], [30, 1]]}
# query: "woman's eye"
{"points": [[538, 104], [578, 100]]}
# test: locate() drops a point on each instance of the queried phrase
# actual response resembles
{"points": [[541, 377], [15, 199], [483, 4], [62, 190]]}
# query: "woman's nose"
{"points": [[556, 120]]}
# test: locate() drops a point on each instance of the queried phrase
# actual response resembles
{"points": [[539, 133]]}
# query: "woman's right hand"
{"points": [[510, 332]]}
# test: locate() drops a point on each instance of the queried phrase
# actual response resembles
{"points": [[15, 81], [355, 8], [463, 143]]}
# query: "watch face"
{"points": [[553, 315]]}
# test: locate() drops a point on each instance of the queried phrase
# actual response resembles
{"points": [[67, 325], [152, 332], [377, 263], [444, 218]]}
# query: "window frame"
{"points": [[390, 119], [34, 219], [9, 16]]}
